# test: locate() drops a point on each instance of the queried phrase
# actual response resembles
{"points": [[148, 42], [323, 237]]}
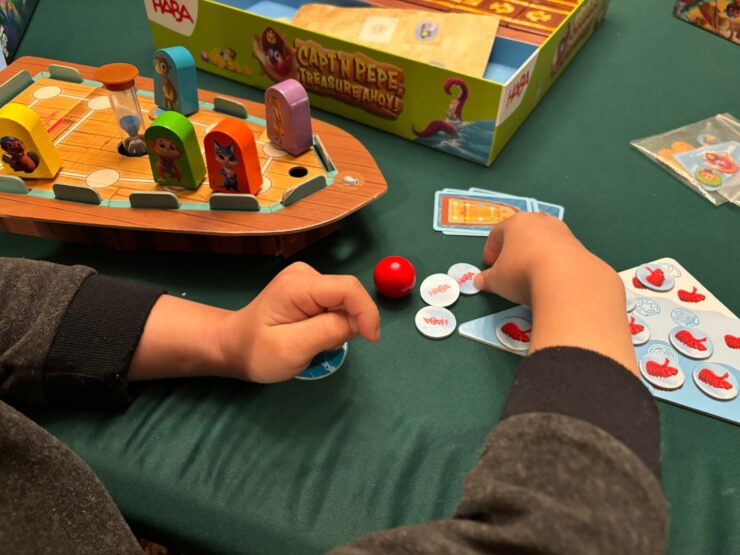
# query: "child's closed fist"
{"points": [[298, 315]]}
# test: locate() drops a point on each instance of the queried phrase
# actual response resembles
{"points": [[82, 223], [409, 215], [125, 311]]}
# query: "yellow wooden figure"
{"points": [[27, 150]]}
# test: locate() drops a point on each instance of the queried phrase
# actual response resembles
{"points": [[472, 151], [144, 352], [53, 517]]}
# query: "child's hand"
{"points": [[576, 299], [298, 315], [525, 246]]}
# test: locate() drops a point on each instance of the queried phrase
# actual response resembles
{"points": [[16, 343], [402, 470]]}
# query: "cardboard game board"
{"points": [[461, 42], [531, 21], [80, 122], [686, 341]]}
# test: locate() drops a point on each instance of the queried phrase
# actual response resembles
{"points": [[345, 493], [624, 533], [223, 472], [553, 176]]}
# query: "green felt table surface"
{"points": [[299, 467]]}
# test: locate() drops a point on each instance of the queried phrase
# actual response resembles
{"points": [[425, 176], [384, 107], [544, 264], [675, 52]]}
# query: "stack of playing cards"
{"points": [[475, 211]]}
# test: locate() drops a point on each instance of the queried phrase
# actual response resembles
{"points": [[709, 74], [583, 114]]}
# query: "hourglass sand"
{"points": [[119, 81]]}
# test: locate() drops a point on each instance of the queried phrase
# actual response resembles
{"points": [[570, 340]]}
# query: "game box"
{"points": [[14, 18], [721, 17], [252, 41]]}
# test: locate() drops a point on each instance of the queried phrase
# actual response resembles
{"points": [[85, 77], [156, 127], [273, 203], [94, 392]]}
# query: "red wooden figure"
{"points": [[231, 158]]}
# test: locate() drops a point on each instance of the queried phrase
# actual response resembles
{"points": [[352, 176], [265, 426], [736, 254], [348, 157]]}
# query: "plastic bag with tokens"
{"points": [[701, 137]]}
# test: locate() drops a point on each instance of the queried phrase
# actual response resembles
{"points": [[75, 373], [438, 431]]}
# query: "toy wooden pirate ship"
{"points": [[100, 175]]}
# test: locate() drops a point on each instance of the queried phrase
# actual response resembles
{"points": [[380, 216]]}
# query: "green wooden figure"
{"points": [[174, 152]]}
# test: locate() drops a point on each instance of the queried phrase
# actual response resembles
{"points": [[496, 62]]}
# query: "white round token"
{"points": [[691, 342], [515, 333], [639, 330], [716, 381], [661, 372], [439, 290], [463, 273], [435, 322], [654, 277], [631, 300]]}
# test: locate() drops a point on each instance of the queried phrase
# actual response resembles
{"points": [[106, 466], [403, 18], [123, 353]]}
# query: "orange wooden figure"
{"points": [[231, 158]]}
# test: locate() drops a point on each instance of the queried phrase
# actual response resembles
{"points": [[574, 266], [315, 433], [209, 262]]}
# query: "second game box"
{"points": [[252, 41]]}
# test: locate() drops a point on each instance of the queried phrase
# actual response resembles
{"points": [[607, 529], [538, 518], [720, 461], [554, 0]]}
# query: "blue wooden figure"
{"points": [[175, 80]]}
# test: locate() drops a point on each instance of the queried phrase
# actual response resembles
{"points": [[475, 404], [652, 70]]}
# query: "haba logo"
{"points": [[439, 289], [466, 277], [179, 16], [520, 85], [434, 321], [515, 89]]}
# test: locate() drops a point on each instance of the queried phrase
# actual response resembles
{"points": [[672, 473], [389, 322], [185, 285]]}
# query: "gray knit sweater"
{"points": [[570, 468]]}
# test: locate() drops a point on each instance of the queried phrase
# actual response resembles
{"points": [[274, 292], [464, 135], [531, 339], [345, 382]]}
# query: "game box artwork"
{"points": [[721, 17], [473, 117], [14, 17]]}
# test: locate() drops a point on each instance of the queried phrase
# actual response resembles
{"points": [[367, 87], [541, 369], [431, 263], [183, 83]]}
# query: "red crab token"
{"points": [[654, 277], [639, 330], [691, 342], [394, 277], [515, 333], [716, 381], [661, 372], [732, 342], [690, 296]]}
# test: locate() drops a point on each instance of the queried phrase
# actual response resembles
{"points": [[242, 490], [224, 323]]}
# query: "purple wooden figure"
{"points": [[289, 117]]}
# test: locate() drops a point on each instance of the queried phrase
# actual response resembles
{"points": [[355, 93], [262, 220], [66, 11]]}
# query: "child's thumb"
{"points": [[486, 280]]}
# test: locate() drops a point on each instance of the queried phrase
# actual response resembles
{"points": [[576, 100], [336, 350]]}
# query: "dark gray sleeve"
{"points": [[67, 335], [33, 298], [51, 501], [568, 470]]}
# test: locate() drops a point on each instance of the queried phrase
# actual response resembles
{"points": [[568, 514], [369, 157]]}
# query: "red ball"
{"points": [[394, 277]]}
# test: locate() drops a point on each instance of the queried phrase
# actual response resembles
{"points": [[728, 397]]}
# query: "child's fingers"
{"points": [[486, 280], [318, 293], [298, 268], [494, 243], [323, 332]]}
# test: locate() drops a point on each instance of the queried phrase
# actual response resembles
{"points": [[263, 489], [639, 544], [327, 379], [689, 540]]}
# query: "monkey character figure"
{"points": [[16, 156], [168, 152]]}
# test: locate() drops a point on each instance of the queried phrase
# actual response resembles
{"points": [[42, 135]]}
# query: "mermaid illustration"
{"points": [[454, 112]]}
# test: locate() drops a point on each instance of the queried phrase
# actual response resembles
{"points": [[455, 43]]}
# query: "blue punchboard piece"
{"points": [[175, 80]]}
